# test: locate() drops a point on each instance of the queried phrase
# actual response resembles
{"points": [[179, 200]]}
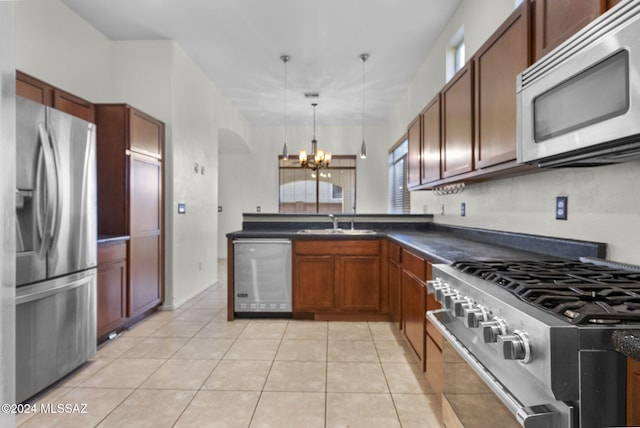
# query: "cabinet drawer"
{"points": [[414, 264], [338, 247], [112, 252]]}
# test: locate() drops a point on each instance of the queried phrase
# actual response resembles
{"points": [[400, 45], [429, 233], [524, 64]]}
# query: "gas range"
{"points": [[539, 334]]}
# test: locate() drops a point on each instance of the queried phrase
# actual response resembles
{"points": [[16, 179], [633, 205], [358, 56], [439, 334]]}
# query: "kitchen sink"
{"points": [[337, 232]]}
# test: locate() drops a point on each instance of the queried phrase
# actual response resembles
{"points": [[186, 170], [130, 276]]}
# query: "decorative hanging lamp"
{"points": [[363, 148], [285, 150]]}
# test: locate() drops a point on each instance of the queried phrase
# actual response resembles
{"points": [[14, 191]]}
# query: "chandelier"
{"points": [[318, 158]]}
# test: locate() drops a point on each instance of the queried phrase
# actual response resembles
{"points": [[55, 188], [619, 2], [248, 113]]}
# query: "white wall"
{"points": [[604, 202], [56, 45], [8, 210]]}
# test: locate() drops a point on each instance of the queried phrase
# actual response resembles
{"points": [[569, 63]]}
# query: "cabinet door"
{"points": [[633, 392], [145, 202], [557, 20], [313, 283], [358, 283], [146, 134], [73, 105], [395, 292], [33, 89], [457, 128], [413, 313], [497, 63], [415, 149], [431, 138], [112, 293]]}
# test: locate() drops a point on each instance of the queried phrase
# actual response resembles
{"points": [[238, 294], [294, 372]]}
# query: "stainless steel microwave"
{"points": [[580, 104]]}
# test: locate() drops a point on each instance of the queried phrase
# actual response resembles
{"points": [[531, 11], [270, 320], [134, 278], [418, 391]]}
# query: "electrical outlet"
{"points": [[562, 207], [463, 209], [258, 209], [442, 210], [219, 208], [182, 208]]}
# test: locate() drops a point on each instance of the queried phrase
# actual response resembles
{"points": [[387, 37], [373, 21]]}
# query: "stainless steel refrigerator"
{"points": [[56, 232]]}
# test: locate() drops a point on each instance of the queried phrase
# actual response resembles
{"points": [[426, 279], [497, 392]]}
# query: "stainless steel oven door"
{"points": [[581, 102], [462, 392]]}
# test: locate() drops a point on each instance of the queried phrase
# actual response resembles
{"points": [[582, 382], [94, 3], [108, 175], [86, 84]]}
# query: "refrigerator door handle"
{"points": [[45, 220], [57, 199]]}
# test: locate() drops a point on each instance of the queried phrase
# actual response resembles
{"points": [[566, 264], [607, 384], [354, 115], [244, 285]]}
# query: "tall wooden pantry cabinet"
{"points": [[130, 146]]}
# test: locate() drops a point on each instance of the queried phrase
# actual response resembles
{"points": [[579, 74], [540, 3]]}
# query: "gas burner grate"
{"points": [[577, 292]]}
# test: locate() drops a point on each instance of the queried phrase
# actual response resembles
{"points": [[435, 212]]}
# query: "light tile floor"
{"points": [[192, 368]]}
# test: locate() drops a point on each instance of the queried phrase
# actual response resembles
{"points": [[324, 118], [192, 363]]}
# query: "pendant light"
{"points": [[363, 149], [285, 150]]}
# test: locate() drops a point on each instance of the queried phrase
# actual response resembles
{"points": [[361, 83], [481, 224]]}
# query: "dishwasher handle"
{"points": [[261, 241]]}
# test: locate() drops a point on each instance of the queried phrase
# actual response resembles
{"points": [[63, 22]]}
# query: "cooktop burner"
{"points": [[574, 291]]}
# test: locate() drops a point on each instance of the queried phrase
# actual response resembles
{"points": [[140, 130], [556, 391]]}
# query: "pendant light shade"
{"points": [[363, 148], [285, 150]]}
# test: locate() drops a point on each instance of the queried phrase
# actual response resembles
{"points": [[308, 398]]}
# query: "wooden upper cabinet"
{"points": [[633, 392], [457, 123], [431, 138], [497, 64], [146, 134], [73, 105], [33, 89], [41, 92], [557, 20], [414, 172]]}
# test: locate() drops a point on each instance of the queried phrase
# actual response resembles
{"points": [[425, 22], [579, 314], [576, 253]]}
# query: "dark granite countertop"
{"points": [[106, 239], [627, 342], [446, 244]]}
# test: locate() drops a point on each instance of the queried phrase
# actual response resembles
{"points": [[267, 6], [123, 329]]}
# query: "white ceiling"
{"points": [[238, 44]]}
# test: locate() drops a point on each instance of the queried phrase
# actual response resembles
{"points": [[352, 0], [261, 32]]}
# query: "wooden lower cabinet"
{"points": [[112, 288], [395, 292], [633, 392], [358, 283], [313, 283], [336, 277], [145, 292], [413, 313]]}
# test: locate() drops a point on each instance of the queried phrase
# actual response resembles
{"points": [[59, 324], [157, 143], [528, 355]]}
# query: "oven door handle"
{"points": [[541, 416]]}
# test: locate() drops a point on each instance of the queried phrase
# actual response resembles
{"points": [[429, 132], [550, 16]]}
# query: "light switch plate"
{"points": [[182, 208]]}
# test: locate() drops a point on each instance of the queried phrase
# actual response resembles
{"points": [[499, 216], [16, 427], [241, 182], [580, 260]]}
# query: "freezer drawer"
{"points": [[262, 275], [55, 330]]}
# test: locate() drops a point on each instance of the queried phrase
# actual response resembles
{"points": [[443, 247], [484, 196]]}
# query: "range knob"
{"points": [[515, 346], [434, 285], [492, 329], [475, 315], [460, 305], [442, 293], [450, 298]]}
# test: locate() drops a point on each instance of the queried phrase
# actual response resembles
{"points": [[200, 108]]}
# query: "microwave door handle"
{"points": [[49, 188]]}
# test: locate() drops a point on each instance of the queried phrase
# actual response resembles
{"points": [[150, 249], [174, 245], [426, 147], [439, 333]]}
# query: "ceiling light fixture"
{"points": [[363, 149], [317, 158], [285, 150]]}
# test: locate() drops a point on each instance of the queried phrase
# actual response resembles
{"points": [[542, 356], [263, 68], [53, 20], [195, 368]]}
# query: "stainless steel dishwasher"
{"points": [[262, 275]]}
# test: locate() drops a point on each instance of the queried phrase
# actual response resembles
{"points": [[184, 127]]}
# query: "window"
{"points": [[330, 190], [456, 55], [398, 191]]}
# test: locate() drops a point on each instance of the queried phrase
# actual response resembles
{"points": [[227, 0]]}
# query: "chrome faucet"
{"points": [[334, 219]]}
